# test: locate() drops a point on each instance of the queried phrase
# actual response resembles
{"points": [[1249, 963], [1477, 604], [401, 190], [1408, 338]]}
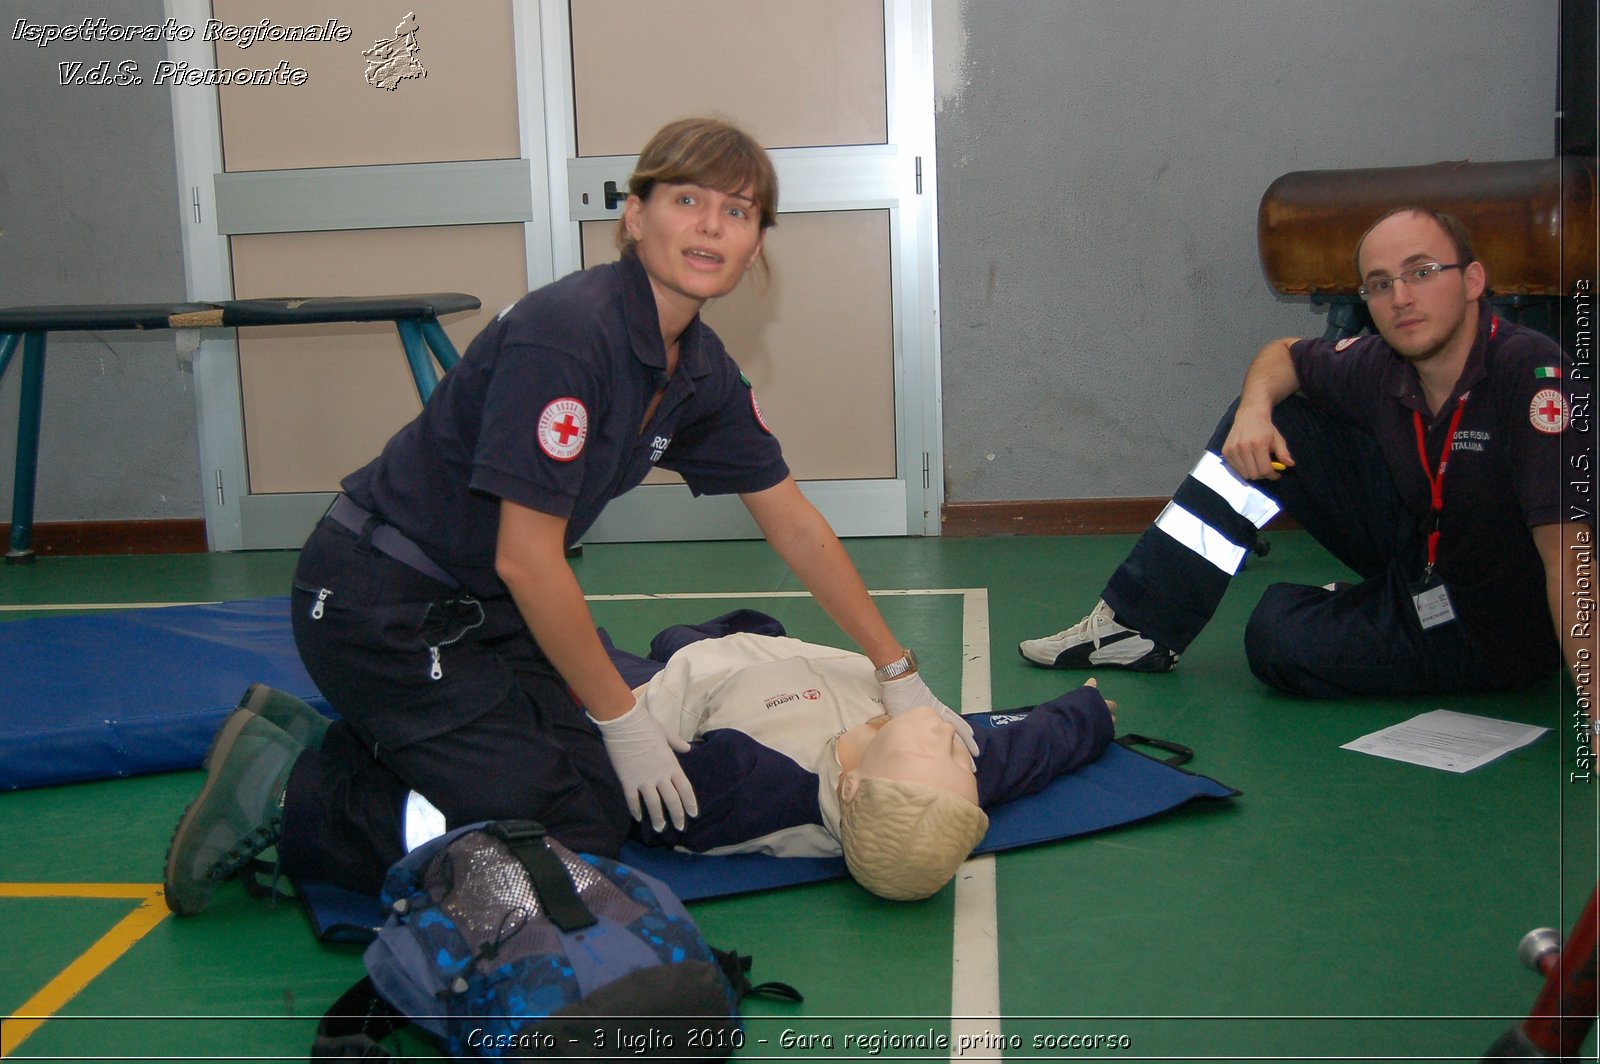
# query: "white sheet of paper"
{"points": [[1455, 742]]}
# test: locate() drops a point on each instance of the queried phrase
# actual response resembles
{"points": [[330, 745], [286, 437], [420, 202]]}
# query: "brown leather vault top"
{"points": [[1532, 222]]}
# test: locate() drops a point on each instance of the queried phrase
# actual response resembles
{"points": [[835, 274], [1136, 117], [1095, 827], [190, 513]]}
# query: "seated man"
{"points": [[1430, 459], [791, 754]]}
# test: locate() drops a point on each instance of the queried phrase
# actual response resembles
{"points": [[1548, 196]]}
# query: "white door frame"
{"points": [[537, 190]]}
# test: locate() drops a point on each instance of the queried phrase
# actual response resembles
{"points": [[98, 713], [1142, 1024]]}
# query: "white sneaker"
{"points": [[1099, 642]]}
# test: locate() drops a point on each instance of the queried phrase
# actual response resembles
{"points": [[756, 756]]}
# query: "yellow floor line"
{"points": [[78, 890], [94, 960]]}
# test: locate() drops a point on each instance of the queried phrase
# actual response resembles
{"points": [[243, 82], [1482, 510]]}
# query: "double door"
{"points": [[468, 147]]}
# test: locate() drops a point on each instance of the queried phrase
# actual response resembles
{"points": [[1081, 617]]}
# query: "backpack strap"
{"points": [[353, 1026], [549, 876], [736, 967]]}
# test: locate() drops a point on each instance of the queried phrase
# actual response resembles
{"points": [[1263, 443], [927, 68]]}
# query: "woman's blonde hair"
{"points": [[708, 152]]}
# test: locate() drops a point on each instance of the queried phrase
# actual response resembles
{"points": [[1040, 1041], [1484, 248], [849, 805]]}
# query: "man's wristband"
{"points": [[901, 666]]}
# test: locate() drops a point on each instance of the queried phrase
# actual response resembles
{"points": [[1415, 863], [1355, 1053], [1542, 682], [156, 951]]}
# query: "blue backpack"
{"points": [[501, 942]]}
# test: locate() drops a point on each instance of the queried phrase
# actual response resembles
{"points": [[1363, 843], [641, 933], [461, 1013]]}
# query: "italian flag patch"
{"points": [[1547, 373]]}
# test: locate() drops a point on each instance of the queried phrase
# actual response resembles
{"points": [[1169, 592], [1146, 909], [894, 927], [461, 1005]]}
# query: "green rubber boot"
{"points": [[304, 724], [237, 814]]}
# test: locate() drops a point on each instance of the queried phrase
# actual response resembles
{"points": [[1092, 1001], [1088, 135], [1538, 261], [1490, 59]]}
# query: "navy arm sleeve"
{"points": [[1022, 757]]}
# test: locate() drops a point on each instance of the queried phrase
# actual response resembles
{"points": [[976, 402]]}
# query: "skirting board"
{"points": [[116, 537], [1039, 517], [1057, 517]]}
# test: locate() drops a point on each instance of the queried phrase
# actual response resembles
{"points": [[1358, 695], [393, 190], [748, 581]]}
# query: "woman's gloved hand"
{"points": [[641, 751], [909, 690]]}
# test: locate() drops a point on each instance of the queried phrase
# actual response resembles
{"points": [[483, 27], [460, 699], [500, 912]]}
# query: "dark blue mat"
{"points": [[1120, 788], [99, 696]]}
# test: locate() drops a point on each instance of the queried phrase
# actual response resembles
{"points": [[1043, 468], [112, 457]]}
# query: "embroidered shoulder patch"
{"points": [[755, 408], [1346, 342], [563, 427], [1548, 411]]}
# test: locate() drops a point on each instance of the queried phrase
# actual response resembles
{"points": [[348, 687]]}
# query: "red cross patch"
{"points": [[756, 407], [1548, 411], [563, 426]]}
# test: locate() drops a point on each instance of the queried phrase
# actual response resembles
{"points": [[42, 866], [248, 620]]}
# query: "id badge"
{"points": [[1432, 602]]}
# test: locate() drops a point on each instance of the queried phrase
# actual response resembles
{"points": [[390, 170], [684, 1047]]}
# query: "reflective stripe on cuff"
{"points": [[1205, 541], [1248, 501]]}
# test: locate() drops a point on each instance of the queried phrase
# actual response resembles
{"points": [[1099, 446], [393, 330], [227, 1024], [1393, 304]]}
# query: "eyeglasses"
{"points": [[1383, 287]]}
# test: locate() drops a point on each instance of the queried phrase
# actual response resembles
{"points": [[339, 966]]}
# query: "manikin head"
{"points": [[908, 799]]}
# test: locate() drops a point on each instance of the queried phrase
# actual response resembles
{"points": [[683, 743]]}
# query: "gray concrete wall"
{"points": [[1100, 165], [89, 214]]}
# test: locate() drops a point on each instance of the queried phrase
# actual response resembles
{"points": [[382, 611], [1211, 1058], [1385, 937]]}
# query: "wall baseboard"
{"points": [[116, 537], [1058, 517], [1036, 517], [1049, 517]]}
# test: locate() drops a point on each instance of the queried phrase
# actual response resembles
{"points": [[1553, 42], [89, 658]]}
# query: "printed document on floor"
{"points": [[1455, 742]]}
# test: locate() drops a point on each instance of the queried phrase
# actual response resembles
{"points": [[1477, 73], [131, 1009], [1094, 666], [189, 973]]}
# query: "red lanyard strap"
{"points": [[1436, 480]]}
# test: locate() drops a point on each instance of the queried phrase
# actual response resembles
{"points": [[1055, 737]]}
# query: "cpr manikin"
{"points": [[908, 798], [792, 755]]}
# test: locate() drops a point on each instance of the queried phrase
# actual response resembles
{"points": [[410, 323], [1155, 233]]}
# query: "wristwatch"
{"points": [[907, 663]]}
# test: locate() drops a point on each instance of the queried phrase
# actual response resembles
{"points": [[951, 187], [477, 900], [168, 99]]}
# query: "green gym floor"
{"points": [[1345, 907]]}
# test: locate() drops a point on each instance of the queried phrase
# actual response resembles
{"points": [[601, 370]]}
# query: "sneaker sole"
{"points": [[221, 745], [1146, 663]]}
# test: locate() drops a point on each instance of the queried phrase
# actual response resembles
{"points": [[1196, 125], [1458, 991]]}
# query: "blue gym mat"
{"points": [[106, 695], [102, 696]]}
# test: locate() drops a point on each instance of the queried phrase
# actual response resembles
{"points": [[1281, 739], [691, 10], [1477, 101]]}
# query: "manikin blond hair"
{"points": [[905, 840]]}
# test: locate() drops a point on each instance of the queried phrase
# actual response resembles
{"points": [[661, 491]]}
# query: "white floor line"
{"points": [[975, 945], [80, 607]]}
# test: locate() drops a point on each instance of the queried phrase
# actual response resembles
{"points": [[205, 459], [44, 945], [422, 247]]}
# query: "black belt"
{"points": [[387, 539]]}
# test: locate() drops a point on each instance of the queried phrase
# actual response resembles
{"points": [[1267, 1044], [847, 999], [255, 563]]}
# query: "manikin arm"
{"points": [[1056, 737]]}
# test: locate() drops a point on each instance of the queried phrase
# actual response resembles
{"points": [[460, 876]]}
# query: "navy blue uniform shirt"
{"points": [[547, 409], [1509, 459]]}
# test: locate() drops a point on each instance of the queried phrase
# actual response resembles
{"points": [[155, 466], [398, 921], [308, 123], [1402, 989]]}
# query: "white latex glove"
{"points": [[641, 751], [910, 691]]}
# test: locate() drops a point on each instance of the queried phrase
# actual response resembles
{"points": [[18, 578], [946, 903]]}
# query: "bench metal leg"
{"points": [[439, 343], [8, 345], [27, 468], [417, 355]]}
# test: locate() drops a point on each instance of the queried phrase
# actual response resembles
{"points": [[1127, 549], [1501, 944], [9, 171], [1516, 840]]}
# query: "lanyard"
{"points": [[1436, 480]]}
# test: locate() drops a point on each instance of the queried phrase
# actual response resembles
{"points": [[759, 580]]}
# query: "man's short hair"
{"points": [[1448, 222], [903, 840]]}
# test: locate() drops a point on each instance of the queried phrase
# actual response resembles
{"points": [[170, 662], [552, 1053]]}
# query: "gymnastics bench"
{"points": [[1532, 224], [415, 317]]}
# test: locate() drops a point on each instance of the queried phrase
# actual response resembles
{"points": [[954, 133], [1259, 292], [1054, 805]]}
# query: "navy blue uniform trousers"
{"points": [[492, 732], [1360, 640]]}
